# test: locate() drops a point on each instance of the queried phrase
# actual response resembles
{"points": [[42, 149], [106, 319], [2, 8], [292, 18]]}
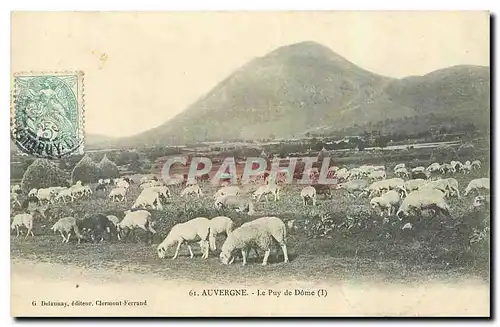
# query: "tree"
{"points": [[85, 171], [107, 168], [42, 174]]}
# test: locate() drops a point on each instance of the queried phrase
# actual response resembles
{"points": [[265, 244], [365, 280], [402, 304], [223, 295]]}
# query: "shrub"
{"points": [[108, 169], [41, 174], [85, 170]]}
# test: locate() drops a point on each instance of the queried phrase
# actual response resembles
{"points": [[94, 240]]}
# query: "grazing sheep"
{"points": [[117, 192], [388, 200], [423, 200], [356, 173], [418, 169], [148, 198], [192, 189], [23, 219], [413, 184], [63, 194], [384, 185], [399, 166], [123, 184], [136, 219], [354, 185], [476, 164], [402, 172], [467, 168], [449, 186], [265, 190], [66, 225], [477, 184], [194, 230], [163, 191], [434, 167], [44, 194], [219, 225], [308, 193], [377, 175], [456, 165], [236, 202], [227, 190], [447, 168], [260, 233], [342, 174]]}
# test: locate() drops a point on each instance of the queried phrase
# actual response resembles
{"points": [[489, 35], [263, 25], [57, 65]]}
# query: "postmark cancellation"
{"points": [[47, 113]]}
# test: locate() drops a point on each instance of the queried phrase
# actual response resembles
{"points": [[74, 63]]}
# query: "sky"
{"points": [[141, 69]]}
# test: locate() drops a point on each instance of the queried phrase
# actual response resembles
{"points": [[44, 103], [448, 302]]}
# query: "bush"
{"points": [[41, 174], [107, 168], [85, 170]]}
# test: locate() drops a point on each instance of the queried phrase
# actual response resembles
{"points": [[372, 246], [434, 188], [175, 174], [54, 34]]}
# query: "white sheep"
{"points": [[467, 168], [402, 172], [449, 186], [161, 190], [260, 233], [118, 192], [476, 164], [447, 168], [194, 230], [378, 187], [148, 198], [354, 185], [377, 175], [63, 194], [219, 225], [399, 166], [388, 200], [342, 174], [356, 173], [456, 165], [423, 200], [236, 202], [23, 219], [150, 184], [227, 190], [413, 184], [434, 167], [308, 193], [123, 184], [265, 190], [66, 225], [33, 192], [44, 194], [419, 169], [140, 219], [193, 189], [477, 184]]}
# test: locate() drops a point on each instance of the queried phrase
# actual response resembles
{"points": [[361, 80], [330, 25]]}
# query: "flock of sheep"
{"points": [[424, 189]]}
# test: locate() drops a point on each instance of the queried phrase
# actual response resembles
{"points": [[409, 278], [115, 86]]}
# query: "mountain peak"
{"points": [[305, 49]]}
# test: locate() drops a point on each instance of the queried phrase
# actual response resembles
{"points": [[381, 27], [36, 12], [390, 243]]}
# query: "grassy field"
{"points": [[367, 250]]}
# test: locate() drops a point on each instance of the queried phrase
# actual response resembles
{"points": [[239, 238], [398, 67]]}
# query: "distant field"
{"points": [[375, 253]]}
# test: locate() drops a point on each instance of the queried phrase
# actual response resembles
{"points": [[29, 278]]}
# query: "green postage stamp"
{"points": [[47, 113]]}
